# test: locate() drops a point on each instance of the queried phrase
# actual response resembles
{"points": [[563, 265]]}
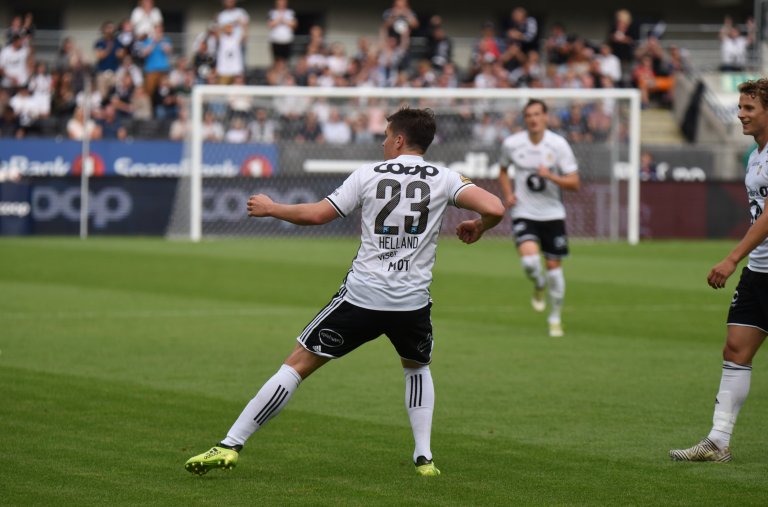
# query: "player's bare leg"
{"points": [[741, 345], [531, 262]]}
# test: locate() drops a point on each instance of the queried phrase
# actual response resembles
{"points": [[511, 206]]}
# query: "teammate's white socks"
{"points": [[532, 269], [267, 403], [556, 289], [734, 388], [420, 403]]}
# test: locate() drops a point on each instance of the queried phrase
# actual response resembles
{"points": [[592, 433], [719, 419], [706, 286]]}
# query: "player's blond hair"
{"points": [[756, 88]]}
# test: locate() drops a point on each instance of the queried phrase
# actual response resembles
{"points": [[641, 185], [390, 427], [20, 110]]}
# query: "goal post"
{"points": [[297, 167]]}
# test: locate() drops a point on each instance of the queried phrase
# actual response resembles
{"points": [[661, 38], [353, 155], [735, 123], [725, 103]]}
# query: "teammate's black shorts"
{"points": [[550, 235], [341, 327], [749, 306]]}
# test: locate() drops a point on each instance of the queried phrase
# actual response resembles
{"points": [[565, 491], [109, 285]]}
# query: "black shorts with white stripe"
{"points": [[749, 306], [549, 234], [341, 327]]}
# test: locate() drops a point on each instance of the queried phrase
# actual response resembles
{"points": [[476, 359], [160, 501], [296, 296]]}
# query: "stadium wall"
{"points": [[135, 186]]}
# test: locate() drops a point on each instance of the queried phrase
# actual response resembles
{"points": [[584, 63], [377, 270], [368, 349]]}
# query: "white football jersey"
{"points": [[537, 198], [403, 202], [757, 190]]}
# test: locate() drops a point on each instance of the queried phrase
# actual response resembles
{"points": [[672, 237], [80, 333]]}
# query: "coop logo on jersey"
{"points": [[256, 166], [330, 338], [396, 168]]}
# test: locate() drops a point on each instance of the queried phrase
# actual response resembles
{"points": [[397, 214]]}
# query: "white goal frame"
{"points": [[628, 170]]}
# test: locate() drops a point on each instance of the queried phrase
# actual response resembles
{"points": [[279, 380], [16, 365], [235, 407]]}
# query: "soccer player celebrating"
{"points": [[386, 291], [544, 165], [748, 315]]}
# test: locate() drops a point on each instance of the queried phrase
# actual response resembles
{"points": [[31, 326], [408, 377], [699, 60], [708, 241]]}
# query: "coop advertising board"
{"points": [[147, 159]]}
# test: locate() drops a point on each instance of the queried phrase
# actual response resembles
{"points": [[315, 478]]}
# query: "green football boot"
{"points": [[425, 467], [217, 457]]}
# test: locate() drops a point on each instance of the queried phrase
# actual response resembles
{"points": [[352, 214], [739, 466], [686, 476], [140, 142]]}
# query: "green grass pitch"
{"points": [[120, 358]]}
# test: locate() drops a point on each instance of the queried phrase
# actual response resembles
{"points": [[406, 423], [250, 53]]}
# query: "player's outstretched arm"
{"points": [[487, 205], [507, 192], [570, 181], [316, 213], [755, 235]]}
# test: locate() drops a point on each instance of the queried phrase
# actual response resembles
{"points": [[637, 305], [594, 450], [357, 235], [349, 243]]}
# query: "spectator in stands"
{"points": [[610, 65], [237, 132], [165, 100], [337, 61], [126, 38], [41, 87], [69, 57], [733, 47], [399, 20], [179, 129], [141, 103], [157, 51], [622, 37], [111, 125], [63, 101], [16, 61], [522, 30], [648, 167], [108, 55], [531, 70], [489, 74], [316, 56], [282, 24], [486, 132], [9, 124], [310, 131], [557, 45], [300, 72], [121, 95], [263, 128], [26, 109], [212, 129], [487, 48], [145, 17], [238, 18], [203, 61], [335, 129], [391, 59], [78, 127], [646, 80], [128, 67], [439, 45], [317, 38], [360, 132], [229, 58], [599, 122], [424, 76], [574, 124], [15, 28]]}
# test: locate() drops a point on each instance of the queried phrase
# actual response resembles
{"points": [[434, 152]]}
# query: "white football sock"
{"points": [[267, 403], [532, 268], [734, 388], [420, 402], [556, 283]]}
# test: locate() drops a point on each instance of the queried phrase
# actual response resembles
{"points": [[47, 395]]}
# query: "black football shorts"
{"points": [[749, 306], [341, 327], [550, 235]]}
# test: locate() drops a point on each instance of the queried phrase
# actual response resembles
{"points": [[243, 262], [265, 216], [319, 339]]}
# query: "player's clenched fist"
{"points": [[258, 205]]}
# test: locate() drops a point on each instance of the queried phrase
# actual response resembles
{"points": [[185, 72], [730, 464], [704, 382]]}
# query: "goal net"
{"points": [[297, 144]]}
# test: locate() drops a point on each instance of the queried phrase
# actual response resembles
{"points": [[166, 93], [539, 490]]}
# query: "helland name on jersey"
{"points": [[423, 171], [396, 242]]}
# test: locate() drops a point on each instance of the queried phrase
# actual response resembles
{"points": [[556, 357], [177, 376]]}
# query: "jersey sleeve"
{"points": [[348, 197], [505, 154], [566, 159], [457, 184]]}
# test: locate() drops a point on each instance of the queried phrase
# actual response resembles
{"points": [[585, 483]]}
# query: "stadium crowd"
{"points": [[138, 83]]}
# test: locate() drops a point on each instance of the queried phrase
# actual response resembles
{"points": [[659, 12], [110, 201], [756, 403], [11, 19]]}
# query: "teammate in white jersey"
{"points": [[403, 200], [544, 165], [748, 315]]}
